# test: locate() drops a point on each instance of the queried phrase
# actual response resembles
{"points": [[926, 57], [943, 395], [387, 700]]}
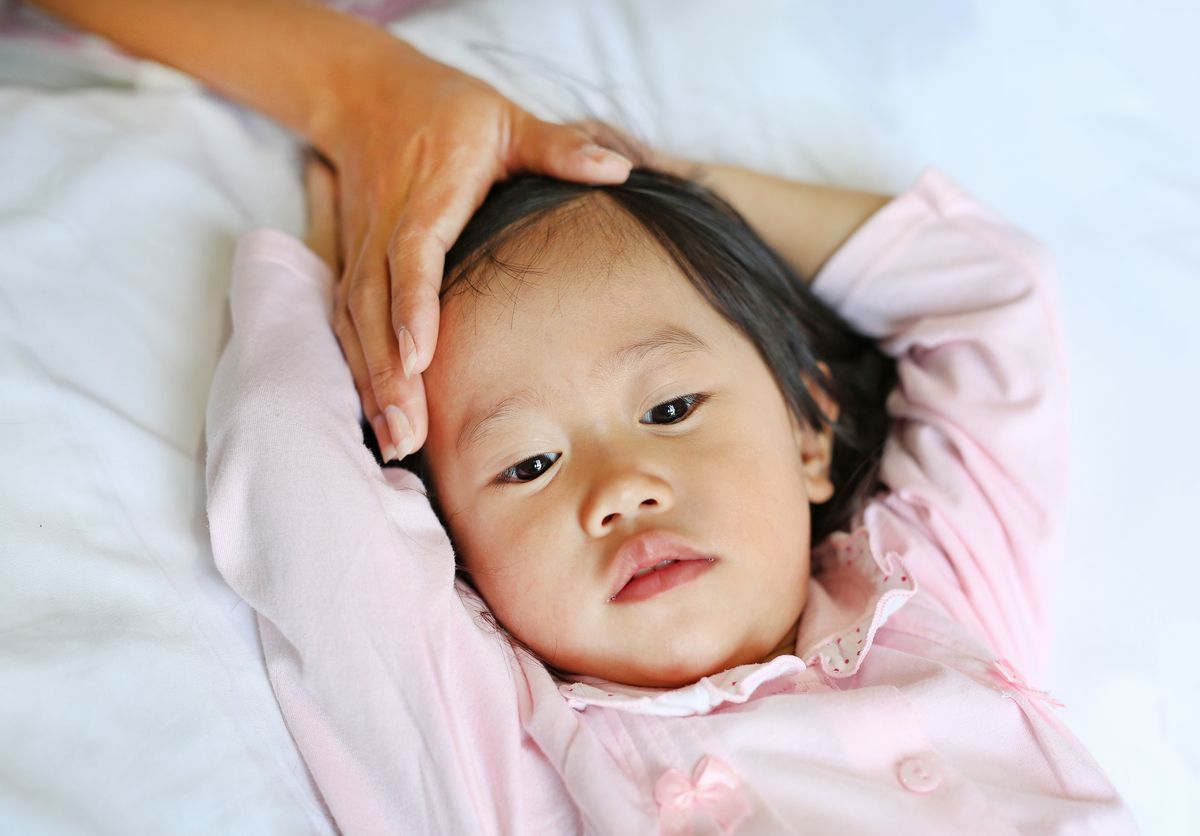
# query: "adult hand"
{"points": [[641, 153], [416, 145], [320, 189], [416, 148]]}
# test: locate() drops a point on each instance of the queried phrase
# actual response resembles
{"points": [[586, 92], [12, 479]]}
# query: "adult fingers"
{"points": [[612, 137], [352, 233], [565, 152], [320, 184], [643, 154], [400, 400], [438, 209], [347, 334], [389, 422]]}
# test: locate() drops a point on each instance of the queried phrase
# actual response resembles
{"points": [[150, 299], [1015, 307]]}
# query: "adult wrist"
{"points": [[347, 90]]}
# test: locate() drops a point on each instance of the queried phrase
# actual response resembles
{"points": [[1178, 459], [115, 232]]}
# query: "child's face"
{"points": [[734, 477]]}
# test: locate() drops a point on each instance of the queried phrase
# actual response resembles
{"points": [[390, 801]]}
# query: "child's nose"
{"points": [[623, 495]]}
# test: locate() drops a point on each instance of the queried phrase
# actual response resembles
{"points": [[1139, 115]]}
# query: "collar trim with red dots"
{"points": [[852, 592]]}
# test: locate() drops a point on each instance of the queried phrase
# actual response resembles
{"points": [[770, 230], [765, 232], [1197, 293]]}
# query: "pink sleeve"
{"points": [[978, 453], [403, 707]]}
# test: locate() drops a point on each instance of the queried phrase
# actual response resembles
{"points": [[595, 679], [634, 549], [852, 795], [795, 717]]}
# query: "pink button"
{"points": [[919, 774]]}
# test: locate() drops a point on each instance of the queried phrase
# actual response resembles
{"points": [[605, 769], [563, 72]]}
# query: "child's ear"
{"points": [[815, 446]]}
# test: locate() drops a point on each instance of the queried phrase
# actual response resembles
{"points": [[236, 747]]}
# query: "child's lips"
{"points": [[661, 580], [646, 550]]}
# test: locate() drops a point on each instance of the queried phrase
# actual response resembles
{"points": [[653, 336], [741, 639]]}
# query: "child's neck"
{"points": [[787, 644]]}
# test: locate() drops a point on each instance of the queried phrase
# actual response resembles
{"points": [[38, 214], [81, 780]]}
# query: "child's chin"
{"points": [[669, 672]]}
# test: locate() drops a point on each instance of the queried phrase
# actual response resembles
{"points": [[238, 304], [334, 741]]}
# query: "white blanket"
{"points": [[132, 692]]}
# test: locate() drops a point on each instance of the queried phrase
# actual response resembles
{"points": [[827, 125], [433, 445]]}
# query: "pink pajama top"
{"points": [[912, 703]]}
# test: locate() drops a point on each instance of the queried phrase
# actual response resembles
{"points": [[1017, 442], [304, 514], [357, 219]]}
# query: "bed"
{"points": [[133, 695]]}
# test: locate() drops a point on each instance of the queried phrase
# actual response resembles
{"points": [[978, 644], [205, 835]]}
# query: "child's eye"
{"points": [[533, 468], [672, 412]]}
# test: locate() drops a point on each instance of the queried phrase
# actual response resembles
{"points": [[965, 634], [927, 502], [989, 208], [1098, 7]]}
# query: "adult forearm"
{"points": [[804, 222], [289, 59]]}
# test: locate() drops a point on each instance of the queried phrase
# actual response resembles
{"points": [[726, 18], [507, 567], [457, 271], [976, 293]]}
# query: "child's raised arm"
{"points": [[804, 222], [968, 305], [402, 705], [977, 457]]}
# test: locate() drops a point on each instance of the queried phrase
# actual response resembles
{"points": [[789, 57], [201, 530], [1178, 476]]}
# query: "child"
{"points": [[627, 375]]}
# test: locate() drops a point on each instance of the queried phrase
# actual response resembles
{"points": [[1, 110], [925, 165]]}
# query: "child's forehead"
{"points": [[579, 242], [562, 326], [563, 276]]}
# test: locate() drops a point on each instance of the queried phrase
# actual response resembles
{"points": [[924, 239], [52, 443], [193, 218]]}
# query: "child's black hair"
{"points": [[742, 278]]}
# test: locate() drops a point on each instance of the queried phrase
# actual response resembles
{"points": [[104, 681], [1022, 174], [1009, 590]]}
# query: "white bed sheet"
{"points": [[132, 693]]}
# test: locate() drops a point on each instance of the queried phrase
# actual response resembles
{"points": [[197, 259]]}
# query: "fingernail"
{"points": [[408, 352], [386, 451], [401, 430], [603, 155], [378, 425]]}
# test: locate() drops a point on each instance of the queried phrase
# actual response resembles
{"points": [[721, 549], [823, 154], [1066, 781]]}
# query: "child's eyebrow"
{"points": [[671, 339]]}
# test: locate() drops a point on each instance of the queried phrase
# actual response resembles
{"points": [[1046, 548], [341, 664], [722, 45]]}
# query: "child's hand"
{"points": [[320, 184]]}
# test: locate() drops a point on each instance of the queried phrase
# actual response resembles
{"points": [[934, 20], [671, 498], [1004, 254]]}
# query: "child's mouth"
{"points": [[663, 576]]}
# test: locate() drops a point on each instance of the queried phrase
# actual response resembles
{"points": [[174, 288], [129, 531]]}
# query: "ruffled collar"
{"points": [[852, 592]]}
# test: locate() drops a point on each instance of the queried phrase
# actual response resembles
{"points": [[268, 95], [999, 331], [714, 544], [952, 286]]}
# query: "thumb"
{"points": [[566, 153]]}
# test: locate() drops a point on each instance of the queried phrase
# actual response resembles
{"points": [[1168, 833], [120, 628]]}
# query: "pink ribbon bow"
{"points": [[714, 788], [1006, 673]]}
